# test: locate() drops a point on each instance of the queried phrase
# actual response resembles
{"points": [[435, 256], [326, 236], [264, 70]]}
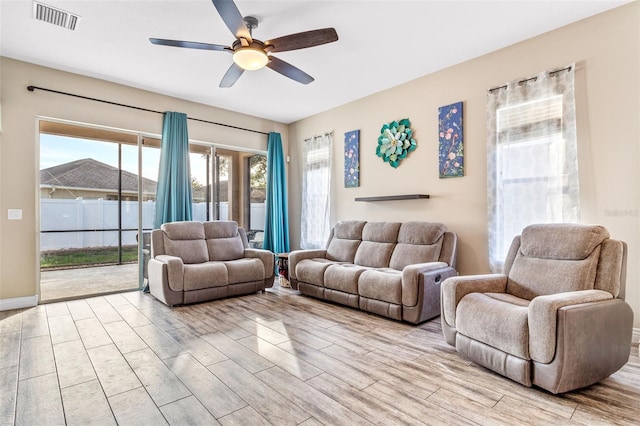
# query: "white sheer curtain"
{"points": [[532, 162], [316, 186]]}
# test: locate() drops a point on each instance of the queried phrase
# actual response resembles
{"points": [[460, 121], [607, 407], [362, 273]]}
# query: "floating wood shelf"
{"points": [[393, 197]]}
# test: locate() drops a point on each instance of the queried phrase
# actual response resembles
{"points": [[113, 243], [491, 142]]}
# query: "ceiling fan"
{"points": [[253, 54]]}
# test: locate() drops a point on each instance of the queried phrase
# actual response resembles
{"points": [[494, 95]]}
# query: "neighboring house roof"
{"points": [[92, 174]]}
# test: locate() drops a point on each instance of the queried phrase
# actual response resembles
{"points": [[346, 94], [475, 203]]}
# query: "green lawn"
{"points": [[97, 256]]}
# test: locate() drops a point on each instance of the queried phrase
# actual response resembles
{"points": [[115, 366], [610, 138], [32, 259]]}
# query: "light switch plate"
{"points": [[14, 214]]}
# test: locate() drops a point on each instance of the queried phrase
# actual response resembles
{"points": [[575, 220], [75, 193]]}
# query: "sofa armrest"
{"points": [[266, 257], [174, 270], [543, 316], [455, 288], [299, 255], [411, 279]]}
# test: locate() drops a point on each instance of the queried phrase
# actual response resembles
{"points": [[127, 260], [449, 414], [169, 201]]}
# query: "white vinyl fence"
{"points": [[79, 223]]}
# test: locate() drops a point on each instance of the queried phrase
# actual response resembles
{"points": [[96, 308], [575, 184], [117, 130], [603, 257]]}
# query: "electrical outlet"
{"points": [[14, 214]]}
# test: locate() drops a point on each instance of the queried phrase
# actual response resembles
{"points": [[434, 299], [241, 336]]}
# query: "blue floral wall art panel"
{"points": [[352, 159], [450, 136]]}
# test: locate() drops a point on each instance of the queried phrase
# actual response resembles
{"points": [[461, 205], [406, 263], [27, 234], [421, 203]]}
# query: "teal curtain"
{"points": [[173, 193], [276, 231]]}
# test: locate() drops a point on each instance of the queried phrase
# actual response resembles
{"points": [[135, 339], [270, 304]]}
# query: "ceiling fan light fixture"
{"points": [[250, 58]]}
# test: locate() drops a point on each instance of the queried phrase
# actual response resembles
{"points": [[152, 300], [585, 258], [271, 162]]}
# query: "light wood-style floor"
{"points": [[277, 358]]}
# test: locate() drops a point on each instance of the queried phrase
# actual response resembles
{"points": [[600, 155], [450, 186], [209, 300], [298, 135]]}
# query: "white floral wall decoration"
{"points": [[395, 142]]}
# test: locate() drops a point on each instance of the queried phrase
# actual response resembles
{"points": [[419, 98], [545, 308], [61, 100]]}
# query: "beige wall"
{"points": [[19, 257], [606, 50]]}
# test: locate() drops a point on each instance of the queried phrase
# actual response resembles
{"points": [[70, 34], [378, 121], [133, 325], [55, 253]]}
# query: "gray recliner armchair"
{"points": [[555, 318]]}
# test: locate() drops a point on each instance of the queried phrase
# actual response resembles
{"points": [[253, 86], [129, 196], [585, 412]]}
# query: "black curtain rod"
{"points": [[33, 88], [551, 74]]}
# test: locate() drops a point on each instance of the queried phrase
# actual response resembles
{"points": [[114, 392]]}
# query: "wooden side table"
{"points": [[283, 269]]}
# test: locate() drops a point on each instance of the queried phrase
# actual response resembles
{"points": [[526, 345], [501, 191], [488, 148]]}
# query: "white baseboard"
{"points": [[635, 338], [18, 303]]}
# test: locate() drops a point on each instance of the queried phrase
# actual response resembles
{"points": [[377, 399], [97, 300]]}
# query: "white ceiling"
{"points": [[381, 44]]}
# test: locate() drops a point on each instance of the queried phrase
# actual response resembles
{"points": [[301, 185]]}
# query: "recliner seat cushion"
{"points": [[381, 284], [343, 277], [494, 322], [245, 270], [311, 271], [204, 275]]}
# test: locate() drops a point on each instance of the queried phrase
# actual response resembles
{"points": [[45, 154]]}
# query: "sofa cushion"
{"points": [[418, 242], [186, 241], [220, 229], [574, 242], [342, 250], [411, 254], [378, 241], [421, 233], [555, 258], [230, 248], [510, 319], [312, 270], [343, 277], [382, 232], [245, 270], [204, 275], [345, 239], [349, 229], [381, 284], [184, 230], [530, 277], [373, 254], [223, 240]]}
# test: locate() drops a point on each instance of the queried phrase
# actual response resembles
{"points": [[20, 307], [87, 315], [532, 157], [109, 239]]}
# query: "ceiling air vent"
{"points": [[52, 15]]}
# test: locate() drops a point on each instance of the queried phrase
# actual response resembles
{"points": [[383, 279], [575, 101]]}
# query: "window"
{"points": [[532, 158], [316, 185]]}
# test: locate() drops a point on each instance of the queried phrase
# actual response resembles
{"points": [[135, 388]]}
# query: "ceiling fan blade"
{"points": [[231, 76], [288, 70], [233, 19], [302, 40], [189, 44]]}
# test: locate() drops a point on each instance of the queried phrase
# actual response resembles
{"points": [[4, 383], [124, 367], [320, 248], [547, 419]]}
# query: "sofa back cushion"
{"points": [[224, 241], [378, 242], [418, 242], [555, 258], [185, 240], [344, 240]]}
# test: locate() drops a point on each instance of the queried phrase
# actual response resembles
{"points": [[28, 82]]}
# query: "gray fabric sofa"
{"points": [[199, 261], [387, 268], [555, 318]]}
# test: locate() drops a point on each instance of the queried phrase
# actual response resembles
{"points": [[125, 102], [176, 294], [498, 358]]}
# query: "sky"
{"points": [[55, 150]]}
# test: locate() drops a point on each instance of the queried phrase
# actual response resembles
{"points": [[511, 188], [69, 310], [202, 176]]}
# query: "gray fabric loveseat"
{"points": [[387, 268], [199, 261]]}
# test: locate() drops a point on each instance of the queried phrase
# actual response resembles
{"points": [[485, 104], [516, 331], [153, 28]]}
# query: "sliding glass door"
{"points": [[97, 204], [89, 209]]}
